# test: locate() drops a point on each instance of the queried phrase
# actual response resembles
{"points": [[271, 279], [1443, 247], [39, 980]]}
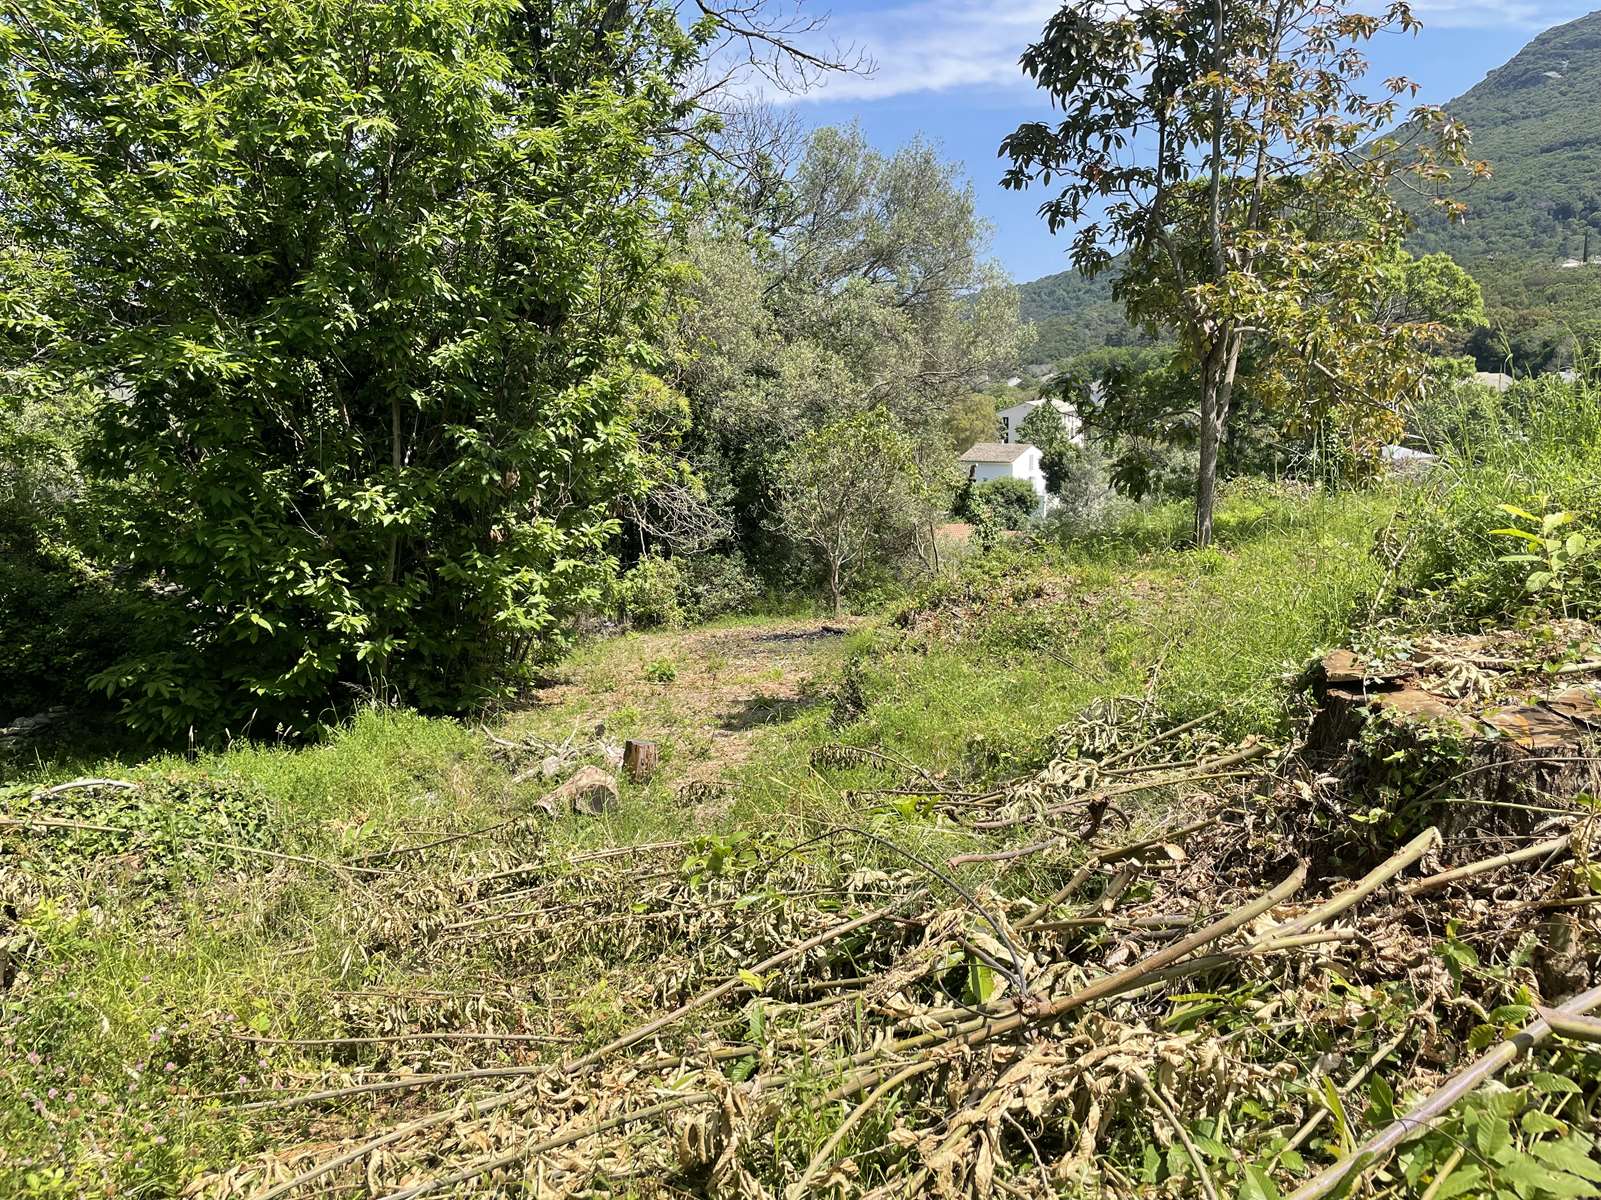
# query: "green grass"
{"points": [[127, 972], [1535, 449]]}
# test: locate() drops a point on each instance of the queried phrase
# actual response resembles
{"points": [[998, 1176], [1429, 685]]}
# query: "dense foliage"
{"points": [[362, 292], [1511, 522], [854, 284]]}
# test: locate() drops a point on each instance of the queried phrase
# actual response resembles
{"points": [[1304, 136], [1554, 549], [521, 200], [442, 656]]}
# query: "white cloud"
{"points": [[938, 45], [935, 45], [1530, 15]]}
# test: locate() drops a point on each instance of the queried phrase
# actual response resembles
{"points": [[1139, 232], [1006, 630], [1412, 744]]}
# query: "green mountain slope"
{"points": [[1535, 120], [1072, 315]]}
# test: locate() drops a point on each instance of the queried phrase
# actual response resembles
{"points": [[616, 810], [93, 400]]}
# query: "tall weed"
{"points": [[1509, 523]]}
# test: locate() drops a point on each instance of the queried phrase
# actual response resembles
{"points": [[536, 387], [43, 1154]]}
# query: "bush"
{"points": [[660, 670], [367, 403], [716, 585], [61, 621], [1510, 521], [648, 594], [1010, 503]]}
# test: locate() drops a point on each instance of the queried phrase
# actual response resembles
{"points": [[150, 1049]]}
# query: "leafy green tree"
{"points": [[1003, 503], [1288, 416], [971, 419], [1045, 429], [845, 491], [1230, 151], [365, 290], [854, 281]]}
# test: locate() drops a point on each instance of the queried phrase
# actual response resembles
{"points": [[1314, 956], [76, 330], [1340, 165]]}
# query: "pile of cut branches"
{"points": [[1214, 1006]]}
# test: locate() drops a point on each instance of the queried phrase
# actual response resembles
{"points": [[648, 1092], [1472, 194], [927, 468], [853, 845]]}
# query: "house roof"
{"points": [[995, 452]]}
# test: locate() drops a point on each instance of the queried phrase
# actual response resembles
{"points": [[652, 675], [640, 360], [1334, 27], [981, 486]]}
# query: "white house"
{"points": [[998, 460], [1012, 419]]}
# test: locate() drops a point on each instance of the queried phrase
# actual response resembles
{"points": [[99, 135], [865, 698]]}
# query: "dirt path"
{"points": [[703, 694]]}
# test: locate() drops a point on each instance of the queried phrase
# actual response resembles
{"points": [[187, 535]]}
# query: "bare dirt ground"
{"points": [[703, 694]]}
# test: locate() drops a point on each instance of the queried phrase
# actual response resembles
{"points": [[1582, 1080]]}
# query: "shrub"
{"points": [[648, 593], [716, 585], [1509, 521], [1010, 503], [367, 332], [660, 670], [61, 621]]}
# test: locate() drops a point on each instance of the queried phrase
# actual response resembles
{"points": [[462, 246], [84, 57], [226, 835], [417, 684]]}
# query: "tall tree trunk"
{"points": [[1217, 396], [1206, 479], [833, 583]]}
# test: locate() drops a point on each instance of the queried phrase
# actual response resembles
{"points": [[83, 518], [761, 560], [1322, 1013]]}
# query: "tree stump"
{"points": [[640, 759]]}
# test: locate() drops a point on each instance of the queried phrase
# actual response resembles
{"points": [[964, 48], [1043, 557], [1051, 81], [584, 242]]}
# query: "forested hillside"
{"points": [[1073, 315], [1534, 121]]}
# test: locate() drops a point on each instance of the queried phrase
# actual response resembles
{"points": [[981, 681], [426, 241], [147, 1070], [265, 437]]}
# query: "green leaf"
{"points": [[1556, 1085], [1520, 533], [1567, 1156], [1493, 1135], [1336, 1106], [1556, 520], [1255, 1184], [1463, 1179], [1381, 1111], [752, 980], [1536, 1121], [980, 982], [1529, 1176]]}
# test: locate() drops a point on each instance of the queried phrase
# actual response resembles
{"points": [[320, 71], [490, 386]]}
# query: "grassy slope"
{"points": [[134, 983]]}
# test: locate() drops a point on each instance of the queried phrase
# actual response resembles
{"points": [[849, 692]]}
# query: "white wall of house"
{"points": [[1011, 419], [1026, 466]]}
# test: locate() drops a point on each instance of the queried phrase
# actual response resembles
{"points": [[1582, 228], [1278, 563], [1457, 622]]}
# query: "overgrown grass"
{"points": [[1530, 461], [126, 975]]}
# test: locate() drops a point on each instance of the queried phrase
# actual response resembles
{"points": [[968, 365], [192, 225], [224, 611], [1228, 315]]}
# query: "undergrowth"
{"points": [[138, 988], [1509, 521]]}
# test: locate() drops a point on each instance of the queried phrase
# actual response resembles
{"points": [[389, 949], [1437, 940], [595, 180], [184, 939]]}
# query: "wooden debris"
{"points": [[1378, 1147], [640, 759], [590, 792]]}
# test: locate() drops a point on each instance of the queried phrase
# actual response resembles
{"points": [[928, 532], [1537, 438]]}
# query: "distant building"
{"points": [[1003, 460], [1497, 380], [1011, 419]]}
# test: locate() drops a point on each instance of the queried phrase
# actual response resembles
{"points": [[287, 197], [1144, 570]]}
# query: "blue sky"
{"points": [[948, 69]]}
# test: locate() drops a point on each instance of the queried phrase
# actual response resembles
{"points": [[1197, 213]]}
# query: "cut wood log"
{"points": [[591, 792], [640, 759], [1555, 846]]}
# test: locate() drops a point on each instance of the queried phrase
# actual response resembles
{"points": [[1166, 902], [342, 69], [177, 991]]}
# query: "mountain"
{"points": [[1537, 121], [1073, 315], [1534, 121]]}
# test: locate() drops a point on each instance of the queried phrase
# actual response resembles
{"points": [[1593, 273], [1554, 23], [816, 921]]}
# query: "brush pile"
{"points": [[1308, 943]]}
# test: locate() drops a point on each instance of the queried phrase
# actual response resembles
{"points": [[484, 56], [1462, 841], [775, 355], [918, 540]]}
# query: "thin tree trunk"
{"points": [[833, 585], [1211, 428]]}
